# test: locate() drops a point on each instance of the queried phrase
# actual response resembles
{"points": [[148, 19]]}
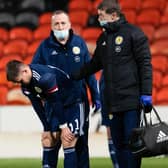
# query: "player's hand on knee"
{"points": [[67, 135]]}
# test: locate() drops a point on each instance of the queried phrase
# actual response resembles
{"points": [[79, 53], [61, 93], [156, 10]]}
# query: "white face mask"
{"points": [[61, 34], [103, 23]]}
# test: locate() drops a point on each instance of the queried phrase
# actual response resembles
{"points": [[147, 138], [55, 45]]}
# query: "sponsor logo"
{"points": [[54, 52], [104, 43], [117, 49], [77, 59], [161, 137]]}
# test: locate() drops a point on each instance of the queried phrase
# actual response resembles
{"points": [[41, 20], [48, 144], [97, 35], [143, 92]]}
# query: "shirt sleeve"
{"points": [[38, 107]]}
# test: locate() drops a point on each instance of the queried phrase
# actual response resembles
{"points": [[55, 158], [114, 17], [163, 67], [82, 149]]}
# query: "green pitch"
{"points": [[95, 163]]}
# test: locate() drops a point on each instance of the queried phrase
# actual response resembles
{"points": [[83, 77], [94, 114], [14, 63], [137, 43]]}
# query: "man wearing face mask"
{"points": [[123, 53], [68, 52]]}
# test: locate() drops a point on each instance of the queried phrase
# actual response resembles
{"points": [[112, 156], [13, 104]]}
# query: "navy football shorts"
{"points": [[74, 115]]}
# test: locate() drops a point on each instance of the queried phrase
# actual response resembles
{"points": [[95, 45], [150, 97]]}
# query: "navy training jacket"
{"points": [[69, 57]]}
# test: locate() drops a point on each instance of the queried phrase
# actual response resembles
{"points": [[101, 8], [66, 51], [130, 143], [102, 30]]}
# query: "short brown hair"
{"points": [[110, 6], [13, 69]]}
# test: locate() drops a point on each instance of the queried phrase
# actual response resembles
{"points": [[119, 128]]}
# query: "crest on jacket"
{"points": [[119, 40], [76, 50]]}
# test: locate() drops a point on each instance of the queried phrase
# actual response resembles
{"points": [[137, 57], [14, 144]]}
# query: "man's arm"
{"points": [[38, 107]]}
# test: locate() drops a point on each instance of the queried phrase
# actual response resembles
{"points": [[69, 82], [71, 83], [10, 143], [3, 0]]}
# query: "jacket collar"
{"points": [[115, 26]]}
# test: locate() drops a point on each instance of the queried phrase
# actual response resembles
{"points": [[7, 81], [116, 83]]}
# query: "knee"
{"points": [[48, 140], [69, 144]]}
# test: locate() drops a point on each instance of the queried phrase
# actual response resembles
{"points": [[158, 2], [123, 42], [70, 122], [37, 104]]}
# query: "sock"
{"points": [[70, 158], [50, 156], [112, 152]]}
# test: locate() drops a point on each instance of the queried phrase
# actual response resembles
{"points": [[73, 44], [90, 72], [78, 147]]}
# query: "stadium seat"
{"points": [[94, 6], [159, 62], [33, 47], [91, 33], [3, 97], [1, 49], [165, 80], [162, 98], [36, 6], [157, 78], [16, 97], [164, 19], [7, 20], [130, 15], [80, 5], [153, 4], [45, 18], [148, 16], [77, 28], [159, 47], [149, 30], [131, 4], [42, 32], [3, 80], [154, 92], [5, 59], [161, 33], [28, 59], [21, 33], [27, 19], [16, 47], [79, 17], [4, 34]]}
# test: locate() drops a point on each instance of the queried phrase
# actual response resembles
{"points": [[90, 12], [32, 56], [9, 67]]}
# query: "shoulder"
{"points": [[134, 30]]}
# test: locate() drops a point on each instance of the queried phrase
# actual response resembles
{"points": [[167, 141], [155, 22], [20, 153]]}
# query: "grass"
{"points": [[94, 162]]}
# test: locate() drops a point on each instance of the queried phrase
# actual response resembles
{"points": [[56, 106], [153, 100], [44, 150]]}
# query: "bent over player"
{"points": [[57, 103]]}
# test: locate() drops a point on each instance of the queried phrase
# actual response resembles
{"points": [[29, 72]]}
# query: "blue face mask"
{"points": [[61, 34], [103, 23]]}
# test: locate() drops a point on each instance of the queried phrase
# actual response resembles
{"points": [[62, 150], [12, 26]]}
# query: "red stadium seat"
{"points": [[161, 33], [42, 32], [45, 18], [21, 33], [131, 4], [77, 28], [33, 47], [164, 18], [4, 60], [28, 59], [80, 5], [157, 78], [4, 35], [162, 98], [154, 92], [159, 47], [165, 80], [79, 17], [149, 30], [91, 33], [153, 4], [3, 80], [3, 97], [16, 47], [94, 6], [1, 48], [130, 15], [148, 16], [159, 62]]}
